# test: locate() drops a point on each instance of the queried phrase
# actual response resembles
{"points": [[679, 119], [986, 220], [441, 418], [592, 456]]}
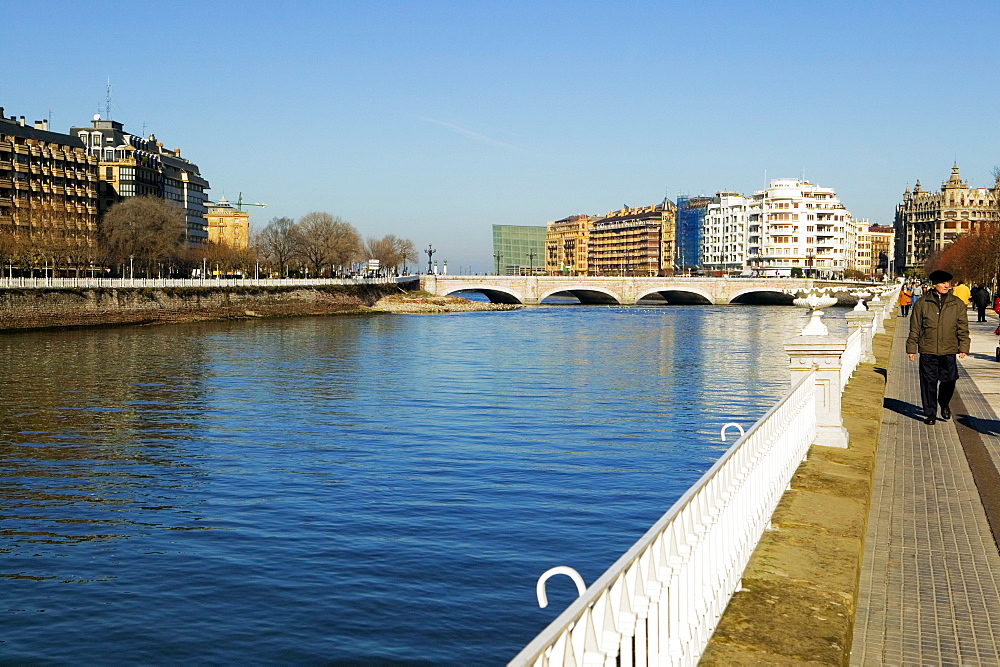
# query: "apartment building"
{"points": [[567, 245], [873, 251], [48, 197], [227, 225], [635, 241], [725, 237], [791, 227], [133, 166], [928, 221]]}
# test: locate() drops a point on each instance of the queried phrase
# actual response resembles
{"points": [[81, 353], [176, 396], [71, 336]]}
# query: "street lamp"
{"points": [[531, 262], [430, 253], [498, 256], [131, 272]]}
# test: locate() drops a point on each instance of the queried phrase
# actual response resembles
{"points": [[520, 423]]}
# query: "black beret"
{"points": [[939, 277]]}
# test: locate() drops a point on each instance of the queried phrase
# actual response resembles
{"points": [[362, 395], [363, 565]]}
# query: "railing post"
{"points": [[863, 320], [824, 354], [878, 305]]}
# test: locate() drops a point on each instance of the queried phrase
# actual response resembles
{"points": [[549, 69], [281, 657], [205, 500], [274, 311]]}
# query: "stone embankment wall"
{"points": [[46, 308]]}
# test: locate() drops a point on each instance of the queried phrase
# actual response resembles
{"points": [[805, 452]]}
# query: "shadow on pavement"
{"points": [[981, 426], [903, 408]]}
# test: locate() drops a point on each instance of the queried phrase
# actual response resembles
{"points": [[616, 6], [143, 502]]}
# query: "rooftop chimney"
{"points": [[21, 121], [177, 152]]}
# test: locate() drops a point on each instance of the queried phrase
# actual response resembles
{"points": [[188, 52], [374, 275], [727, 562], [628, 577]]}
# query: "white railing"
{"points": [[851, 358], [660, 602], [133, 283]]}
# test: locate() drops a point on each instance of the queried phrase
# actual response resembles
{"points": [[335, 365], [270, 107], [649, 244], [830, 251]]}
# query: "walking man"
{"points": [[939, 329], [982, 298]]}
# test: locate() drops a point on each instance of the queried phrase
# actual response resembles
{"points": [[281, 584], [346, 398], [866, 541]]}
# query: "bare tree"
{"points": [[278, 243], [146, 228], [327, 241], [390, 250]]}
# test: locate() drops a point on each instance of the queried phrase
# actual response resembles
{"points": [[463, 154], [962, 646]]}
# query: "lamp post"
{"points": [[531, 262], [430, 254], [498, 256], [131, 271]]}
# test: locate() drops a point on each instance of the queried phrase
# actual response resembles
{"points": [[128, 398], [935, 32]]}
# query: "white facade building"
{"points": [[724, 235], [792, 225]]}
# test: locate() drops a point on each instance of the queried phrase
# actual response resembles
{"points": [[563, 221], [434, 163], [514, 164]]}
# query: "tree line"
{"points": [[146, 236], [973, 257]]}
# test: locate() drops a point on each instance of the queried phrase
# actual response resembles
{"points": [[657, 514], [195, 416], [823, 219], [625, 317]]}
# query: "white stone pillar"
{"points": [[878, 305], [863, 320], [824, 354]]}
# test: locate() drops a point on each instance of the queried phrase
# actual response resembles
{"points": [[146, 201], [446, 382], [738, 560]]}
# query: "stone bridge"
{"points": [[532, 290]]}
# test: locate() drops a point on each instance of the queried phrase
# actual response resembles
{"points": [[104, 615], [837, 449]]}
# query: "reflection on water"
{"points": [[378, 488]]}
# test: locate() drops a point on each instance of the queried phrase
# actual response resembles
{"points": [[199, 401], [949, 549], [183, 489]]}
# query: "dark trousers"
{"points": [[938, 373], [905, 309], [981, 312]]}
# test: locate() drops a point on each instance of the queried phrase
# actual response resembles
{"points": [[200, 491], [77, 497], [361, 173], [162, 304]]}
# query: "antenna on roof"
{"points": [[107, 102]]}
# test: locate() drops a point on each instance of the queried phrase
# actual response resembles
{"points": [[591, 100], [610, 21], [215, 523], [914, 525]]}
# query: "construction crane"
{"points": [[240, 203]]}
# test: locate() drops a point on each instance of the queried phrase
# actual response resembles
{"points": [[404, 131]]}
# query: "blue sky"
{"points": [[435, 120]]}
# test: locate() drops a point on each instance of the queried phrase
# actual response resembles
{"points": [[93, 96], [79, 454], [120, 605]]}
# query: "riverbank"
{"points": [[422, 303], [799, 595], [28, 309]]}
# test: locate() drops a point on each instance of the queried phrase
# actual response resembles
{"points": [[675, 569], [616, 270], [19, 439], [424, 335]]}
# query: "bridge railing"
{"points": [[661, 601], [135, 283]]}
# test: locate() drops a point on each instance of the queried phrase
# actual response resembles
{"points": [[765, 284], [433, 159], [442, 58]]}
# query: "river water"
{"points": [[351, 489]]}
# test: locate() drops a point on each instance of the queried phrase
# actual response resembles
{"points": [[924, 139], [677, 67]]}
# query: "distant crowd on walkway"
{"points": [[978, 297]]}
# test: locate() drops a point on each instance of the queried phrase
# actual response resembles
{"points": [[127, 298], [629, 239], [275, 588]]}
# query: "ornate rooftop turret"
{"points": [[954, 181]]}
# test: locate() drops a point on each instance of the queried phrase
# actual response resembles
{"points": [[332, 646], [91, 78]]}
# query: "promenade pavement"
{"points": [[929, 590]]}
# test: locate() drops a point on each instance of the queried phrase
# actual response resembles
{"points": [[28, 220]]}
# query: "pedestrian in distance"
{"points": [[918, 291], [905, 299], [962, 292], [939, 330], [981, 297]]}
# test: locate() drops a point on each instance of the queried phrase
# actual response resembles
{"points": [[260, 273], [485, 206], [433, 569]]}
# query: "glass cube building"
{"points": [[518, 250]]}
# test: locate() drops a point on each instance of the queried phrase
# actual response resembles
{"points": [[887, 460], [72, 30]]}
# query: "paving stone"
{"points": [[929, 590]]}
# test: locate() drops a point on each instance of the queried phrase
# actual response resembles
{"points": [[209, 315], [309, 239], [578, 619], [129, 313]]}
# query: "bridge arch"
{"points": [[585, 294], [492, 292], [762, 296], [679, 295]]}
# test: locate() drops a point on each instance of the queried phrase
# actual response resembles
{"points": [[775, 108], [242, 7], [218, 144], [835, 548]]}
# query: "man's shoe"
{"points": [[930, 421], [945, 413]]}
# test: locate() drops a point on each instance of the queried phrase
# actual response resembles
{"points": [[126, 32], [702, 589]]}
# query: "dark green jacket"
{"points": [[938, 331]]}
